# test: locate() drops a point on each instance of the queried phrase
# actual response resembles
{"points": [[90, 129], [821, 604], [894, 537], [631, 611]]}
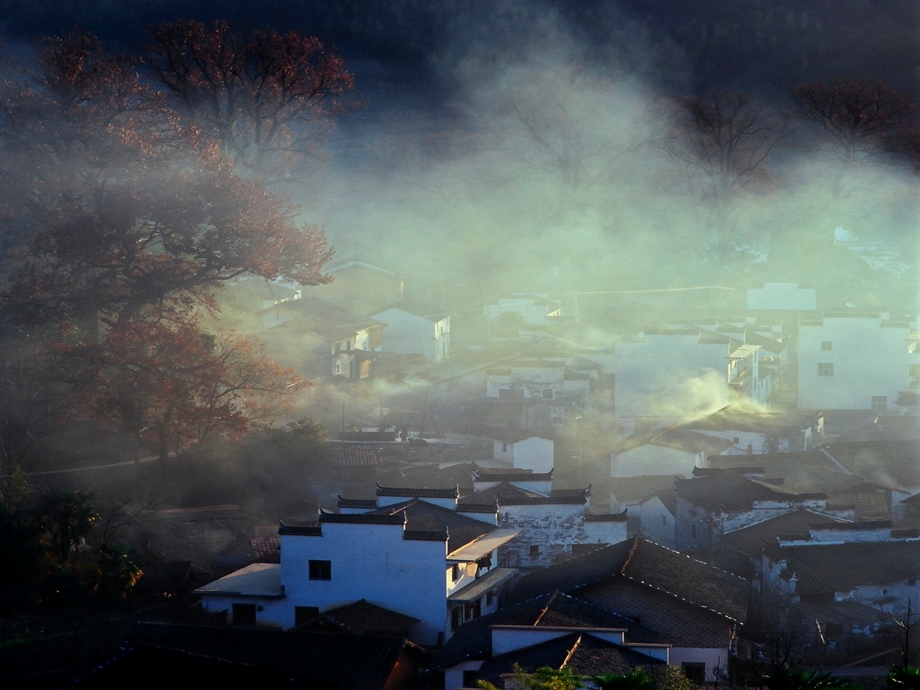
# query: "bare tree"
{"points": [[860, 117], [724, 140]]}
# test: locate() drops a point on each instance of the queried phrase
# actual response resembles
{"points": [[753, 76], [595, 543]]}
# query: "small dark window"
{"points": [[547, 393], [664, 520], [825, 369], [304, 613], [320, 570], [455, 572], [456, 617], [244, 614], [469, 679], [490, 598], [534, 550], [694, 671], [693, 531], [827, 345]]}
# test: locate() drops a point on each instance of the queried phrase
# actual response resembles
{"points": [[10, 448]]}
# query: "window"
{"points": [[693, 531], [455, 572], [490, 598], [879, 402], [914, 376], [469, 679], [664, 520], [244, 614], [694, 671], [827, 345], [736, 439], [304, 613], [456, 617], [825, 369], [547, 393], [534, 550], [320, 570], [504, 448]]}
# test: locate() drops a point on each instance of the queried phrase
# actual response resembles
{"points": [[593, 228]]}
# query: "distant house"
{"points": [[753, 430], [553, 630], [879, 575], [552, 524], [629, 493], [361, 283], [524, 449], [414, 327], [412, 555], [694, 607], [668, 451], [717, 502], [854, 361], [508, 315], [321, 339]]}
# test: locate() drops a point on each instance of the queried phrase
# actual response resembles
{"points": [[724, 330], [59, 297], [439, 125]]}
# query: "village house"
{"points": [[361, 283], [856, 361], [695, 608], [555, 630], [524, 449], [860, 573], [552, 525], [415, 328], [717, 502], [320, 339], [754, 430], [413, 554], [670, 451]]}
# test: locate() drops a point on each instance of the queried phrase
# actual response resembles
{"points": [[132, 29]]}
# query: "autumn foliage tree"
{"points": [[125, 218], [266, 97]]}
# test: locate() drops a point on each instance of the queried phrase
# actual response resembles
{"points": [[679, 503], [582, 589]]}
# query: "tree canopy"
{"points": [[122, 217]]}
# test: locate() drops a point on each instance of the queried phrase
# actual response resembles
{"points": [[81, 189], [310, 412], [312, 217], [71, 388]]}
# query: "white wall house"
{"points": [[415, 558], [523, 449], [856, 361], [414, 327]]}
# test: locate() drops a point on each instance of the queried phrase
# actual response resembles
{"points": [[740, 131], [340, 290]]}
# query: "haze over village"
{"points": [[460, 345]]}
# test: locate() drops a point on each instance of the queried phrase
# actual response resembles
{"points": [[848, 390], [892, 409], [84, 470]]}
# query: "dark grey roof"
{"points": [[325, 660], [730, 491], [473, 640], [647, 564], [417, 492], [828, 568]]}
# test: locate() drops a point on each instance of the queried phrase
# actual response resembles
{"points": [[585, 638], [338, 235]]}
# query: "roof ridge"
{"points": [[552, 598], [632, 550], [572, 651]]}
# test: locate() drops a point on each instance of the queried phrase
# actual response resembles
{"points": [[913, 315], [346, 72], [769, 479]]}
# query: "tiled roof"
{"points": [[611, 517], [729, 491], [417, 492], [362, 618], [893, 463], [678, 438], [650, 565], [519, 475], [323, 660], [499, 492], [514, 435], [357, 503], [747, 417], [424, 517], [418, 308], [827, 568], [357, 456], [473, 640], [582, 653], [635, 489], [751, 540]]}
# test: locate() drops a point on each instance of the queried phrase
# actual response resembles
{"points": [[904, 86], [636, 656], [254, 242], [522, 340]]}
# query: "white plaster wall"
{"points": [[270, 613], [410, 334], [534, 453], [869, 360], [605, 532], [453, 676], [372, 562], [892, 597], [551, 527], [657, 523]]}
